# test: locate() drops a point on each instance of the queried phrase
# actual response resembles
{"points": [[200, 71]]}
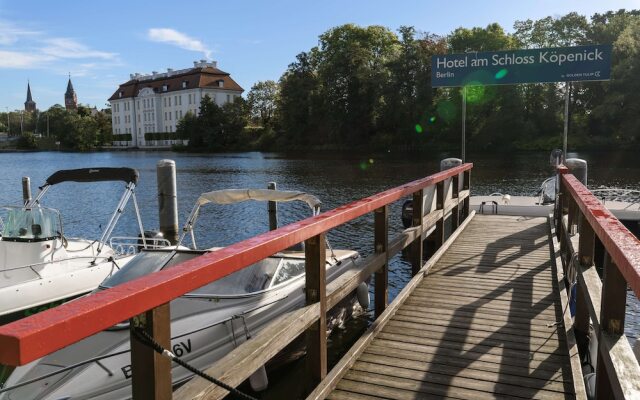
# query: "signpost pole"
{"points": [[464, 121], [567, 98]]}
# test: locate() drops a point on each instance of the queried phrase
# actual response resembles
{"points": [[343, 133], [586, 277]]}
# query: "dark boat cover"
{"points": [[94, 175]]}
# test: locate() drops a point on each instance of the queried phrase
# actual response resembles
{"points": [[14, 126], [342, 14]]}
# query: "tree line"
{"points": [[58, 128], [370, 87]]}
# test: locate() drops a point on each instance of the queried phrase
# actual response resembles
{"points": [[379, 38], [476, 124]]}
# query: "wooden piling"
{"points": [[272, 208]]}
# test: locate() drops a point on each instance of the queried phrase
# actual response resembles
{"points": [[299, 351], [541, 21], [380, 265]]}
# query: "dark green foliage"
{"points": [[216, 128], [367, 87], [84, 129]]}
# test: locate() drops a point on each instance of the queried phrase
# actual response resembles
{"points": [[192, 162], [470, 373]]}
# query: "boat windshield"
{"points": [[147, 262], [257, 277], [30, 224]]}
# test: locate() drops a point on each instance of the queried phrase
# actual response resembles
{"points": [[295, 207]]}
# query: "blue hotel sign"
{"points": [[561, 64]]}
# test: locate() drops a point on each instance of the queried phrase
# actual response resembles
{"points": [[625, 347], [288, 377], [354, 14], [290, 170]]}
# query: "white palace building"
{"points": [[146, 109]]}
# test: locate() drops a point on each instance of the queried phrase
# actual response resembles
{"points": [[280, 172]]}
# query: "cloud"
{"points": [[171, 36], [69, 48], [22, 60], [23, 48], [10, 34]]}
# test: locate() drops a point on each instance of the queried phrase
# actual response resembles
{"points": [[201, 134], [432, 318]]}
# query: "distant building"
{"points": [[70, 98], [155, 103], [29, 105]]}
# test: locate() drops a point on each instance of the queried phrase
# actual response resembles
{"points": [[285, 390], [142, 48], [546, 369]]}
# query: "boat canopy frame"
{"points": [[232, 196], [100, 174]]}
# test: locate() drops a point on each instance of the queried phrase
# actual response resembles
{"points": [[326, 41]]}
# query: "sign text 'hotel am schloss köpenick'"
{"points": [[561, 64]]}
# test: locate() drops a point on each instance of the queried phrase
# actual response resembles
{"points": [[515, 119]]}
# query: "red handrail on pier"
{"points": [[621, 244], [41, 334]]}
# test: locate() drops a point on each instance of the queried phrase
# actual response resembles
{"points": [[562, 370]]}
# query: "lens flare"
{"points": [[432, 120], [475, 92], [502, 73], [363, 165], [446, 110], [418, 128], [371, 161]]}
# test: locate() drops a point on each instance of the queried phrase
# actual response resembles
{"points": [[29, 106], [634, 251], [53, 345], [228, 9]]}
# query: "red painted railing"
{"points": [[623, 247], [582, 221], [41, 334]]}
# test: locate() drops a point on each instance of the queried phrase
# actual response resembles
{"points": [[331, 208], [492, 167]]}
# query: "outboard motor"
{"points": [[151, 237], [407, 214], [556, 158]]}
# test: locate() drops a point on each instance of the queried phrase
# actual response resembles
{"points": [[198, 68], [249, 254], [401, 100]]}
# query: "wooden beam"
{"points": [[235, 367], [150, 371], [315, 291], [571, 342], [381, 246], [585, 256], [466, 185], [455, 212], [417, 247], [619, 366], [440, 197]]}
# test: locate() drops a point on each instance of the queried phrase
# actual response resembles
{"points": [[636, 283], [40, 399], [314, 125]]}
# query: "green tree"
{"points": [[353, 69], [262, 100], [300, 104]]}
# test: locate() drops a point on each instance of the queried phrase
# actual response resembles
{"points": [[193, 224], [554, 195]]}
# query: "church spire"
{"points": [[29, 105], [70, 98]]}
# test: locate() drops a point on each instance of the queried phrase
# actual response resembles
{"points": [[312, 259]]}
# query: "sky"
{"points": [[101, 43]]}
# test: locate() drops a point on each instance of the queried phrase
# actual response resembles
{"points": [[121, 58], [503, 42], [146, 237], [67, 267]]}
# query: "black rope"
{"points": [[144, 338]]}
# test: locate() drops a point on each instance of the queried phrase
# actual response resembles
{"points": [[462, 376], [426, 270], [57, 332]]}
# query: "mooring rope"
{"points": [[144, 338]]}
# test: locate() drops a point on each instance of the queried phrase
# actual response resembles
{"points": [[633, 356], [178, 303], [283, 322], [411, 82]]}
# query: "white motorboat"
{"points": [[624, 204], [205, 324], [40, 267]]}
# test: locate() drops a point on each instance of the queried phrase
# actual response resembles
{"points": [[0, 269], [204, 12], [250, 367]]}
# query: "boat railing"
{"points": [[440, 199], [125, 245], [630, 196], [583, 224]]}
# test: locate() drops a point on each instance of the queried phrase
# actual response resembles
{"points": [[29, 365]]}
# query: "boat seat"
{"points": [[36, 229]]}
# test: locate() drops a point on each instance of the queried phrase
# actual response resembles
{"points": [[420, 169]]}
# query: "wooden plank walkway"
{"points": [[479, 326]]}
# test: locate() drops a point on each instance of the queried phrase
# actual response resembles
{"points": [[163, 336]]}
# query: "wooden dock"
{"points": [[485, 322]]}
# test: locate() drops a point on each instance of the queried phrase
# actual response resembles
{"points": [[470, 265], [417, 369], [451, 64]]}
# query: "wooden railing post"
{"points": [[572, 214], [417, 247], [466, 185], [316, 292], [381, 245], [150, 372], [612, 314], [439, 232], [586, 248], [455, 193], [560, 196]]}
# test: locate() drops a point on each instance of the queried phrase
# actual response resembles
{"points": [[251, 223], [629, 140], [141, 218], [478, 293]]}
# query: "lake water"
{"points": [[335, 179]]}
